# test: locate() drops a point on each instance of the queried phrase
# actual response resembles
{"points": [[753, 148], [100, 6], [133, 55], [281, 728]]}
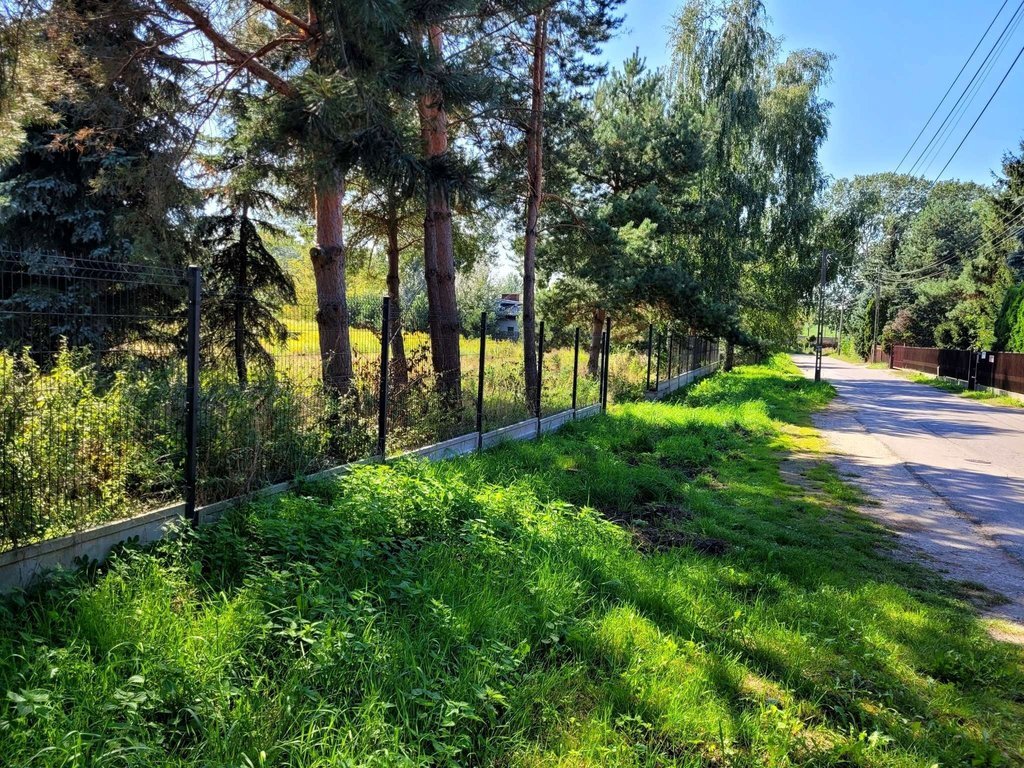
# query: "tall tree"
{"points": [[386, 215], [438, 242], [96, 174], [328, 70], [764, 122], [623, 244], [565, 33], [93, 171]]}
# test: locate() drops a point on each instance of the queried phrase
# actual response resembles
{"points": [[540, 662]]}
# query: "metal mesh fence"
{"points": [[425, 406], [124, 388], [504, 388], [668, 355], [273, 418], [91, 392]]}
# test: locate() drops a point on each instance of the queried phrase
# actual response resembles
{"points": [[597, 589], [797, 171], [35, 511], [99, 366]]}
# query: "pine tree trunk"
{"points": [[535, 190], [328, 259], [596, 329], [400, 369], [438, 247], [241, 279]]}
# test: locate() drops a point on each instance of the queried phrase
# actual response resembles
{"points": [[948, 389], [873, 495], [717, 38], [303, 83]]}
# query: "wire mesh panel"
{"points": [[426, 407], [294, 407], [627, 364], [559, 366], [91, 392], [504, 400]]}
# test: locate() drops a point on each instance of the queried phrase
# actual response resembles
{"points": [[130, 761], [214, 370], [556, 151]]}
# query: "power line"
{"points": [[988, 61], [958, 115], [941, 135], [948, 90], [967, 88], [980, 115]]}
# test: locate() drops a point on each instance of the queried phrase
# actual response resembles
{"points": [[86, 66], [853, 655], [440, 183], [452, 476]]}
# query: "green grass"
{"points": [[957, 389], [641, 589]]}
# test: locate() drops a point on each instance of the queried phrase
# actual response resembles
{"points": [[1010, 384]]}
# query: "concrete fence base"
{"points": [[21, 566], [677, 382]]}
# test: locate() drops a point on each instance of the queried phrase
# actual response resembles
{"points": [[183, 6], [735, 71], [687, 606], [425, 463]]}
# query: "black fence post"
{"points": [[575, 369], [657, 365], [192, 393], [650, 353], [668, 367], [382, 398], [607, 354], [540, 374], [600, 371], [480, 383]]}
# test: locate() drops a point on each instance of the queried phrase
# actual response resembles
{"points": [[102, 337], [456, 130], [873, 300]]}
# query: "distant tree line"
{"points": [[943, 263]]}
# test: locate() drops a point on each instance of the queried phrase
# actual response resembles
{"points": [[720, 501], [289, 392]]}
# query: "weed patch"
{"points": [[994, 398]]}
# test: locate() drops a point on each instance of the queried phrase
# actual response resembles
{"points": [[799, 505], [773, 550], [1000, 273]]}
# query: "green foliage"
{"points": [[72, 427], [700, 182], [272, 430], [245, 285], [97, 176], [83, 446], [944, 254], [641, 589], [1010, 322]]}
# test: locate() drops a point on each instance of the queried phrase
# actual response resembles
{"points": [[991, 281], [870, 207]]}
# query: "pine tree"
{"points": [[97, 176]]}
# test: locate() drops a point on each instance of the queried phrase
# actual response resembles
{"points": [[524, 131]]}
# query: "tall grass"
{"points": [[641, 589], [88, 440]]}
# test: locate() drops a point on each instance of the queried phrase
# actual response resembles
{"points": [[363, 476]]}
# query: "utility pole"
{"points": [[821, 318], [878, 302], [839, 338]]}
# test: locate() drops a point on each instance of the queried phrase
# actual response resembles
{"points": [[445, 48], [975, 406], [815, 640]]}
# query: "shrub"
{"points": [[72, 451], [1010, 323]]}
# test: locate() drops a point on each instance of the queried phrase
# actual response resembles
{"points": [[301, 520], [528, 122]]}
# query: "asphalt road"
{"points": [[950, 470]]}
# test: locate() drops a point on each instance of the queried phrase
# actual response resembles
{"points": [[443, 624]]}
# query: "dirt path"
{"points": [[910, 448]]}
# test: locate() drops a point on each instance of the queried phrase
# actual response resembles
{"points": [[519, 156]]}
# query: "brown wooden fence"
{"points": [[1001, 370]]}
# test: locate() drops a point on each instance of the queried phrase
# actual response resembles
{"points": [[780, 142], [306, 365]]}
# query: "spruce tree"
{"points": [[93, 184], [244, 285]]}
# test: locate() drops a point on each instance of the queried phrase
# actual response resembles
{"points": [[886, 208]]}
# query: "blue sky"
{"points": [[894, 60]]}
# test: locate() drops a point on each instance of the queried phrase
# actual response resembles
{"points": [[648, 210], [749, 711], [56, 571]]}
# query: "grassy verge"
{"points": [[851, 357], [951, 386], [642, 589]]}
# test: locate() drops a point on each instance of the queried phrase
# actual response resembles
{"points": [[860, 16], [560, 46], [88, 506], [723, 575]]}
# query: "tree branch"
{"points": [[291, 18], [239, 57]]}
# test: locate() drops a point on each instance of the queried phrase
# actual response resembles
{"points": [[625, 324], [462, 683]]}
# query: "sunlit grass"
{"points": [[641, 589], [953, 387]]}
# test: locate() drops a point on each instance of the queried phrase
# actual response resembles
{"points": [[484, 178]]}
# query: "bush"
{"points": [[73, 452]]}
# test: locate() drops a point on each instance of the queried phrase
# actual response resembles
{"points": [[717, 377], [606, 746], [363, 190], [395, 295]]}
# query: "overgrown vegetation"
{"points": [[85, 442], [638, 589]]}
